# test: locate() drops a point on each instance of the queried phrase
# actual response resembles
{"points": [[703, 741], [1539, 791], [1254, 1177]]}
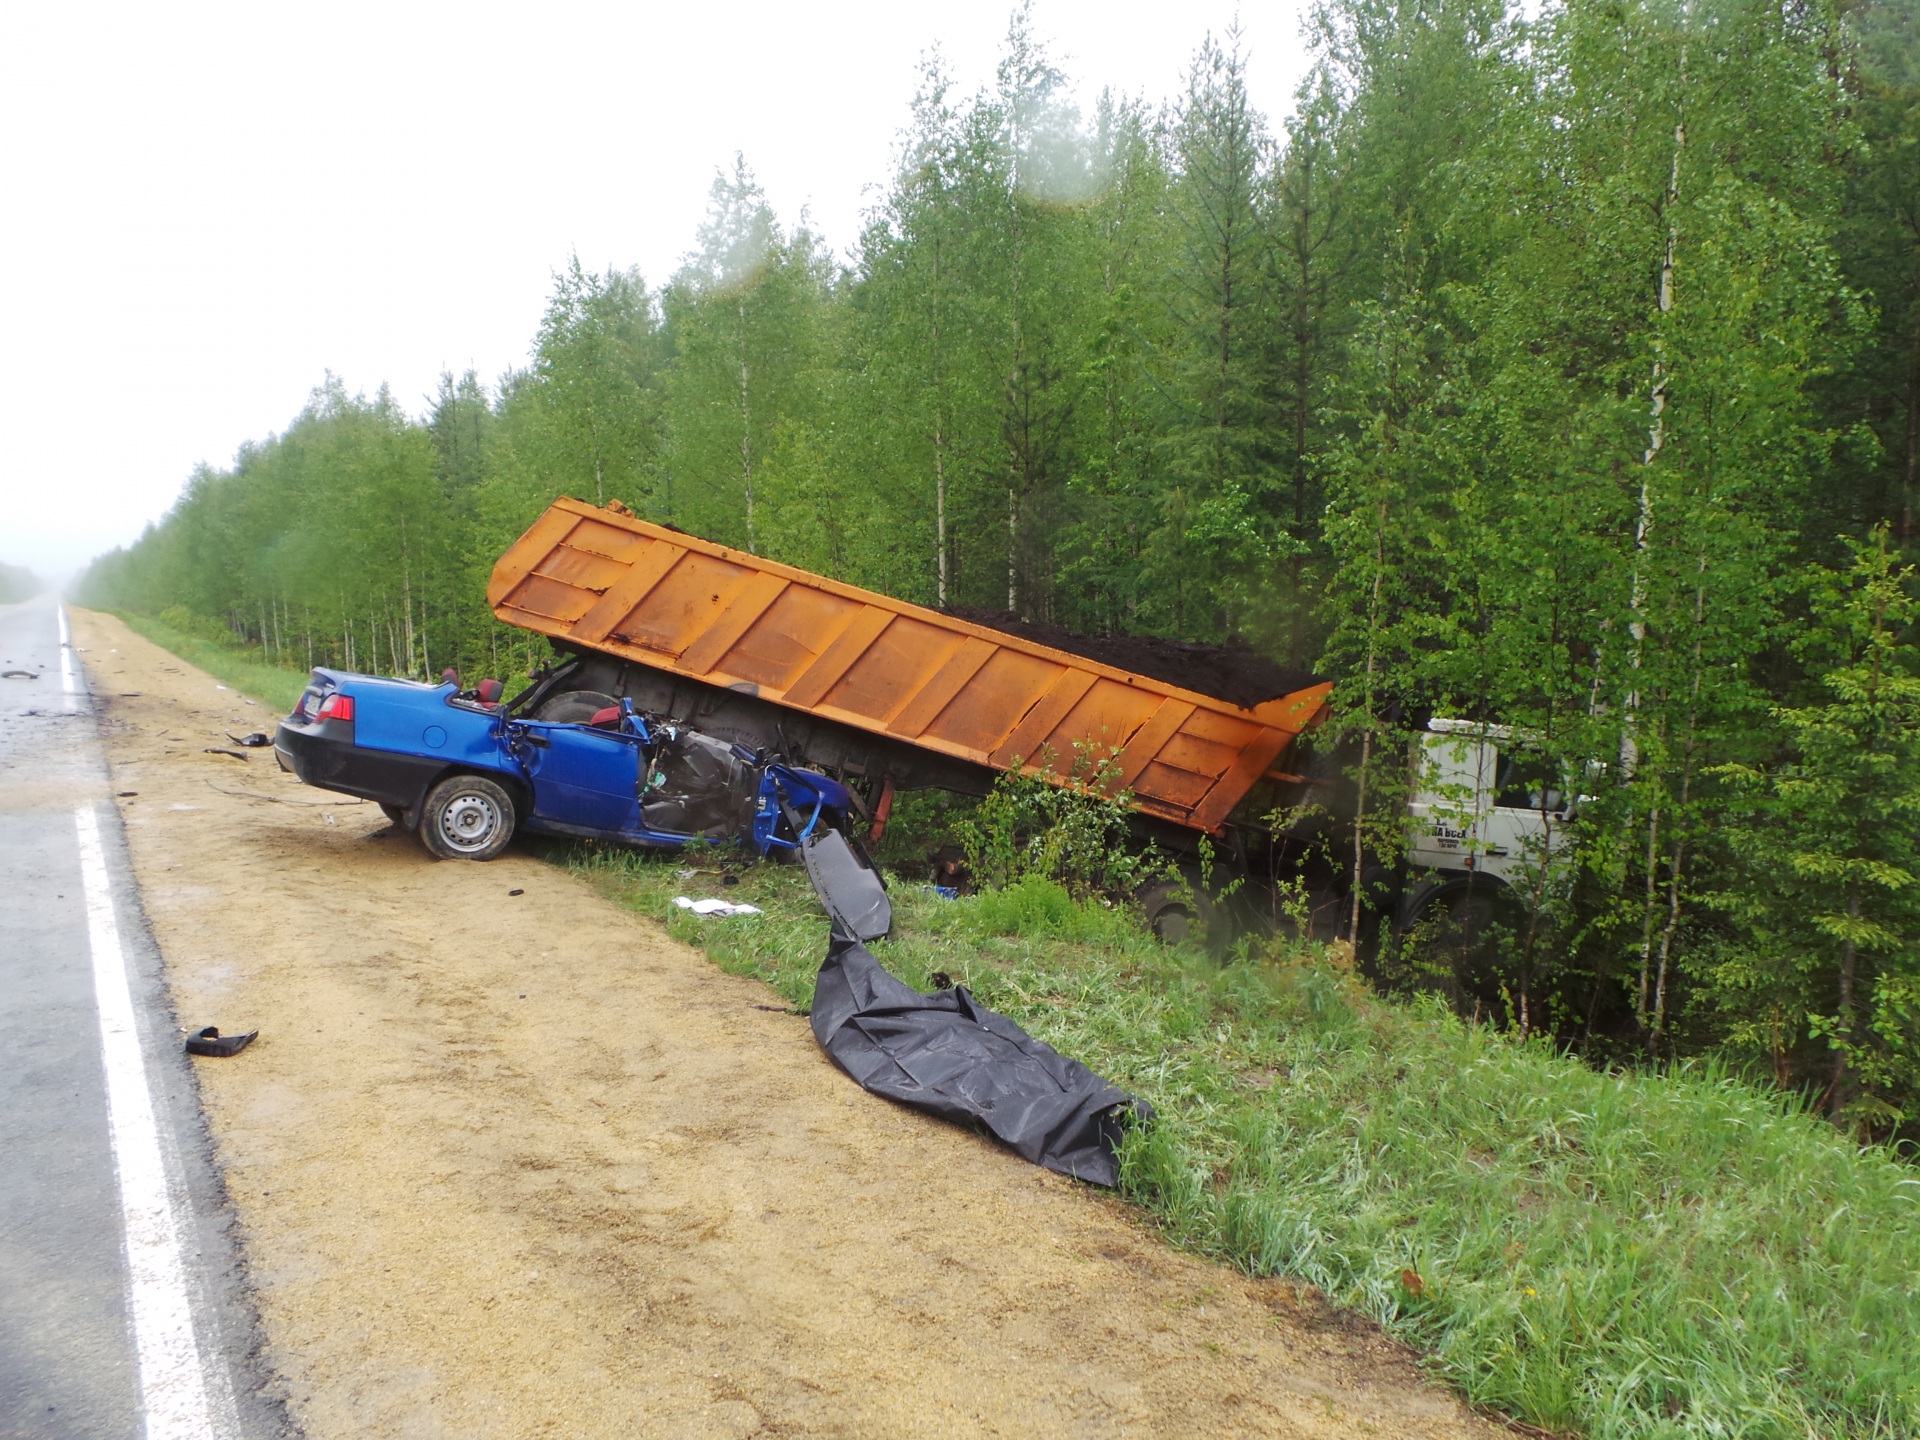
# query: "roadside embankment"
{"points": [[510, 1161], [1614, 1254]]}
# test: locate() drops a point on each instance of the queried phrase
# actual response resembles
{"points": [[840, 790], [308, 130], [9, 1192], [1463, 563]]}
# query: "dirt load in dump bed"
{"points": [[1233, 672]]}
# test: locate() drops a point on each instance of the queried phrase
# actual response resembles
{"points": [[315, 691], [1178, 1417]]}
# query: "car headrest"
{"points": [[488, 692], [450, 676], [608, 716]]}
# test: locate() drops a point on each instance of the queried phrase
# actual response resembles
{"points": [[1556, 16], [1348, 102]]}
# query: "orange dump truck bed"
{"points": [[601, 579]]}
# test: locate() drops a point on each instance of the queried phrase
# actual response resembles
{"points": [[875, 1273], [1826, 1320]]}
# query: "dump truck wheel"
{"points": [[1173, 910], [1458, 946], [574, 707], [467, 817]]}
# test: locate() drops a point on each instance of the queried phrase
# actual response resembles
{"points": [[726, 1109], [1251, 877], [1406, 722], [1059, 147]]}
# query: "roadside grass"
{"points": [[274, 685], [1612, 1254]]}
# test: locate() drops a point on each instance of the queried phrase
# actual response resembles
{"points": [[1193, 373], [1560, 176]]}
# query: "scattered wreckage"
{"points": [[466, 771], [702, 695]]}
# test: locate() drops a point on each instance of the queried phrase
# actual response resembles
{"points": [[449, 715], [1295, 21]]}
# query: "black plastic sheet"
{"points": [[949, 1055]]}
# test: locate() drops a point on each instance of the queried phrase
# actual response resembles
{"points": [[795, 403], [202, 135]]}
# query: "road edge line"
{"points": [[69, 682], [173, 1382]]}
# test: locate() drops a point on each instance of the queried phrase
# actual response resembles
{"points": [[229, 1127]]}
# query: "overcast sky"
{"points": [[207, 207]]}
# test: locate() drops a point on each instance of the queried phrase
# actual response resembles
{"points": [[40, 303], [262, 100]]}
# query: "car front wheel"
{"points": [[467, 817]]}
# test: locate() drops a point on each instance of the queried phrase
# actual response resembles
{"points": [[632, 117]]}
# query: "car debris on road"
{"points": [[208, 1040]]}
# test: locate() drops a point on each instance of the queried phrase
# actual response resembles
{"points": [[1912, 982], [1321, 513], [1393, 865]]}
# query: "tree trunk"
{"points": [[1013, 549], [1840, 1090], [406, 593], [1656, 441], [1910, 466], [1643, 1009], [939, 442], [1366, 735], [1676, 864], [746, 427]]}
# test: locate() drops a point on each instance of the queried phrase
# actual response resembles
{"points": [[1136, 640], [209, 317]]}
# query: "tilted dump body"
{"points": [[602, 579]]}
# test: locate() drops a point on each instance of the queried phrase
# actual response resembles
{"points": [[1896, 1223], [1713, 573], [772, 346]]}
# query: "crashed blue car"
{"points": [[466, 772]]}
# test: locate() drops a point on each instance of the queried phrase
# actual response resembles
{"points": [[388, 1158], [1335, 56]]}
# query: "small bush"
{"points": [[1038, 909], [1077, 833]]}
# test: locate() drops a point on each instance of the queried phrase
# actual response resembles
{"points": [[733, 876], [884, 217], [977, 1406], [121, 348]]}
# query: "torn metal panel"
{"points": [[850, 890]]}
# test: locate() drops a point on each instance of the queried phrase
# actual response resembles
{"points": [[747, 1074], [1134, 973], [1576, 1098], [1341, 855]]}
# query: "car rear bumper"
{"points": [[331, 761]]}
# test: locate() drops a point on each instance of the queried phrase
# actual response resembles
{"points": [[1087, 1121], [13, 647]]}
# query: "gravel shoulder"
{"points": [[521, 1165]]}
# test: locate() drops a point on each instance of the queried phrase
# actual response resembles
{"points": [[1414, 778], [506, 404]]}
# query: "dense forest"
{"points": [[1553, 366]]}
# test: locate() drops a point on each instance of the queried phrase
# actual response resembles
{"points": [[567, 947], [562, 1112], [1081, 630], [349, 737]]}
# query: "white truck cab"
{"points": [[1483, 805]]}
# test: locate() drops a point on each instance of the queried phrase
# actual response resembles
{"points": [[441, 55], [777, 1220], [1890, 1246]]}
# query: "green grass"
{"points": [[1618, 1255], [274, 685]]}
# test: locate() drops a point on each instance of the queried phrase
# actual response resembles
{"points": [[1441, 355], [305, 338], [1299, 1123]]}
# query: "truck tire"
{"points": [[574, 707], [1458, 947], [467, 817], [1175, 910]]}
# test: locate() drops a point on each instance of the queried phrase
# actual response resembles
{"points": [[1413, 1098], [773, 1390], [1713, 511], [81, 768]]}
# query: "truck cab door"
{"points": [[581, 777], [1454, 783], [1530, 804]]}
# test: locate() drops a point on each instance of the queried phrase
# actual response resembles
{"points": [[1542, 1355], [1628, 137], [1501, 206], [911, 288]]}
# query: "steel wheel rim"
{"points": [[468, 822]]}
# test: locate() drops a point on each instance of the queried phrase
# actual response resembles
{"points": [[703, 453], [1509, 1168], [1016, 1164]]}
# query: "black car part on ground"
{"points": [[850, 888], [208, 1040], [949, 1055], [845, 879]]}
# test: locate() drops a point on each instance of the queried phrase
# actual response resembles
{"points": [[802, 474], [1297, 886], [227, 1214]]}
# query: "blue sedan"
{"points": [[465, 772]]}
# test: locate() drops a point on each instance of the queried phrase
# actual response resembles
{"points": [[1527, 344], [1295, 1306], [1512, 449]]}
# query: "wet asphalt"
{"points": [[68, 1364]]}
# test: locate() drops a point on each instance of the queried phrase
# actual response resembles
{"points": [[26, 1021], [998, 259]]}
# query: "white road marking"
{"points": [[173, 1382], [69, 681]]}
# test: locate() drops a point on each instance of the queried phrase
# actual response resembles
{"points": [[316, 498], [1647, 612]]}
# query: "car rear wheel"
{"points": [[467, 817]]}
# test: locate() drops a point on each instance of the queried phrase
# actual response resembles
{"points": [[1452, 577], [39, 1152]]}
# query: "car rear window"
{"points": [[308, 705]]}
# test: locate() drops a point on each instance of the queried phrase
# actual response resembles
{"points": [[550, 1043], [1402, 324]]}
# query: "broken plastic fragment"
{"points": [[715, 907], [209, 1041]]}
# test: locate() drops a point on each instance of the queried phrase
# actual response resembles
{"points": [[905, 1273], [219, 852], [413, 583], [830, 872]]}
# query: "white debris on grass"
{"points": [[712, 906]]}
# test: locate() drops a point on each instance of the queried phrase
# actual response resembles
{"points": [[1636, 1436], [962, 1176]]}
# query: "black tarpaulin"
{"points": [[947, 1054]]}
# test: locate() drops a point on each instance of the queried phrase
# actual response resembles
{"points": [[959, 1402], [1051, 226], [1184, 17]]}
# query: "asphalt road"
{"points": [[123, 1304]]}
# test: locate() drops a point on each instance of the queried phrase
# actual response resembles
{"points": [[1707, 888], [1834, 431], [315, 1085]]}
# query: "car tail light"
{"points": [[336, 707]]}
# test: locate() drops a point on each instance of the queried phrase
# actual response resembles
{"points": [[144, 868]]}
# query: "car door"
{"points": [[582, 778]]}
